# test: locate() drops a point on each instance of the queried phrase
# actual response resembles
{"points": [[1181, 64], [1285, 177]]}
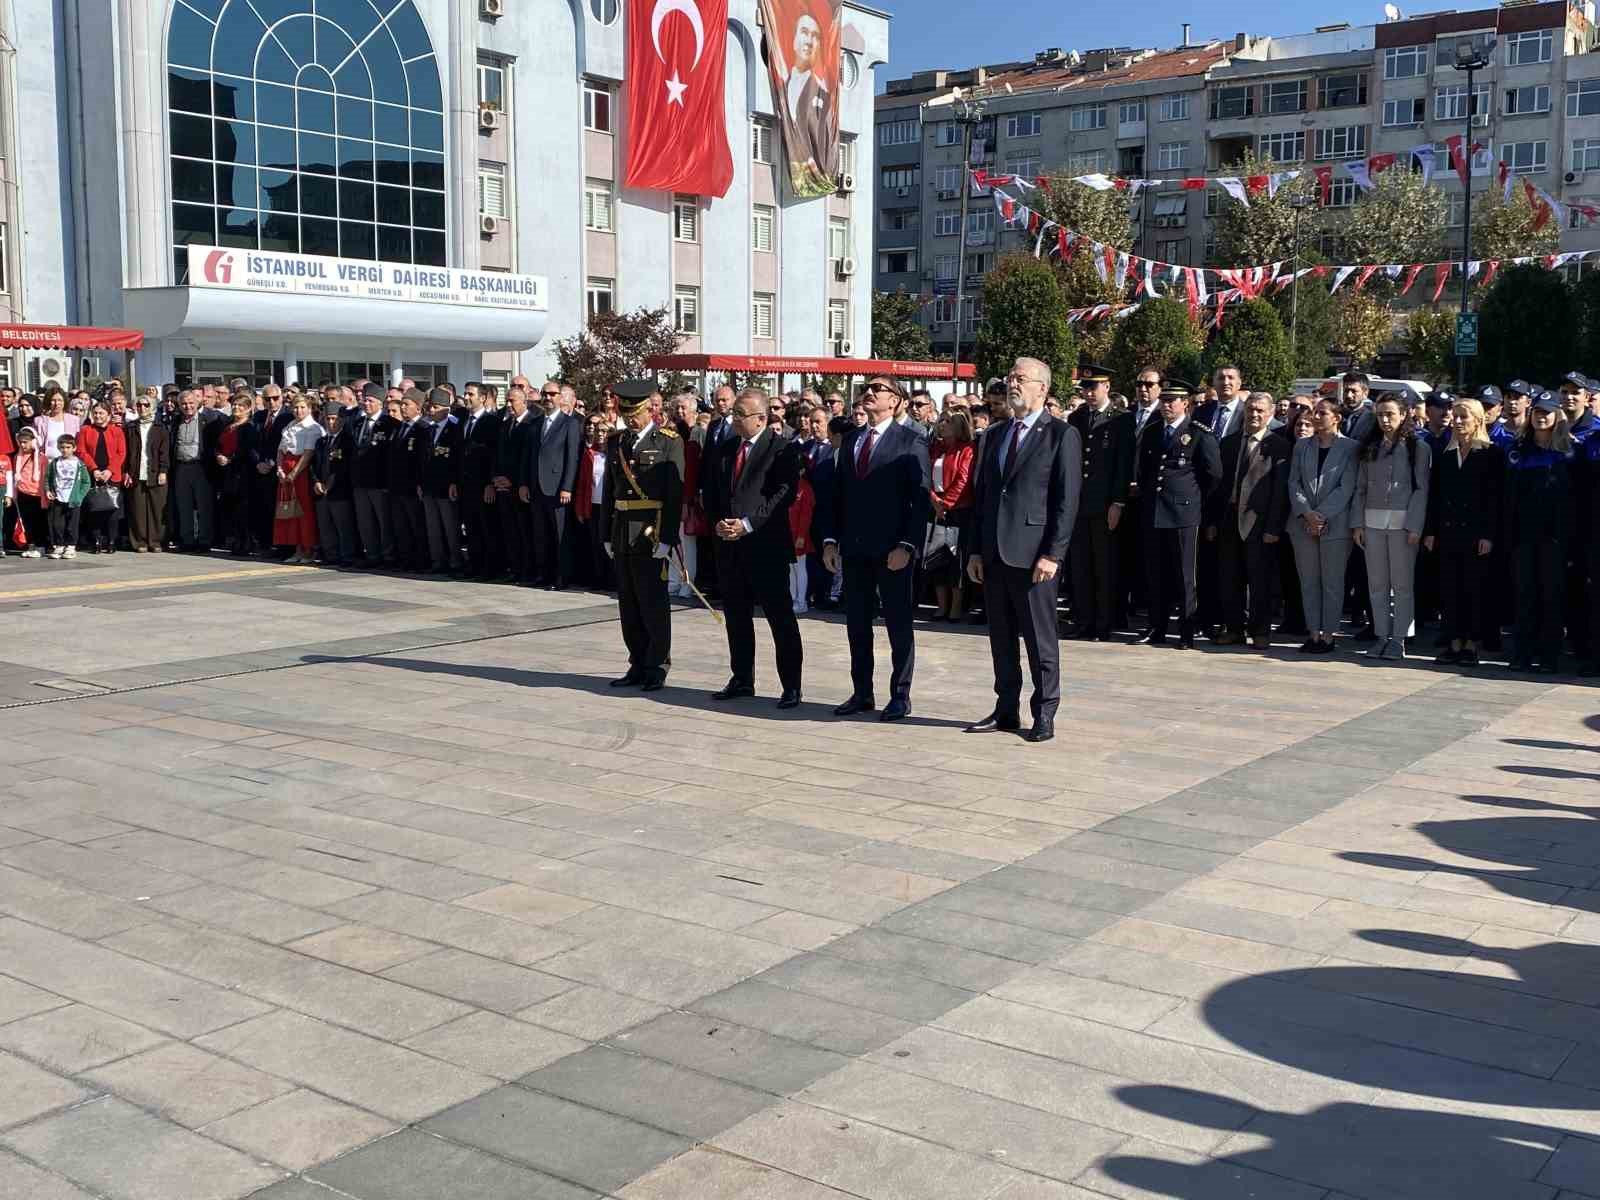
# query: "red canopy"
{"points": [[68, 337], [778, 364]]}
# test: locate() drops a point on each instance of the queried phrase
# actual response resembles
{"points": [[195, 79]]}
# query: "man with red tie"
{"points": [[877, 524]]}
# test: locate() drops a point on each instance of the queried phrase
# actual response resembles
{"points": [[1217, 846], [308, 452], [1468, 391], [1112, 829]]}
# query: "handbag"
{"points": [[288, 503], [103, 498]]}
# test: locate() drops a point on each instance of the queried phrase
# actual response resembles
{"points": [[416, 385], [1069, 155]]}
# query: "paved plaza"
{"points": [[317, 885]]}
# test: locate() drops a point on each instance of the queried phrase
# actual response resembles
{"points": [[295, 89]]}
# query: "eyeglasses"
{"points": [[1015, 378], [1147, 383], [142, 404], [874, 388], [556, 395]]}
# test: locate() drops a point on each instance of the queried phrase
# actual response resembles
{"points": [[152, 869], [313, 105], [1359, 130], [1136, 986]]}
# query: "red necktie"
{"points": [[738, 460], [864, 459]]}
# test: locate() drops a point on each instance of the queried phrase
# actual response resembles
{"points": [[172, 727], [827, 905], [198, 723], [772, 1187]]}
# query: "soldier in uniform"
{"points": [[1108, 441], [1178, 465], [643, 502]]}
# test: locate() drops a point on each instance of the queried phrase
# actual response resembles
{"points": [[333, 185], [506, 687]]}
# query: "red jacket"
{"points": [[116, 449], [957, 475], [583, 486], [805, 503]]}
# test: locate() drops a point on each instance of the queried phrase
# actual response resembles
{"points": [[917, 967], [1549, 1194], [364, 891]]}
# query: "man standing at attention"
{"points": [[1107, 435], [1026, 497], [877, 526]]}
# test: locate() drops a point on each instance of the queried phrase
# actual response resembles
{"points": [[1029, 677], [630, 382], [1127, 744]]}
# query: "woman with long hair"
{"points": [[104, 449], [1322, 487], [236, 459], [295, 523], [1463, 526], [952, 461], [1538, 513], [1390, 509]]}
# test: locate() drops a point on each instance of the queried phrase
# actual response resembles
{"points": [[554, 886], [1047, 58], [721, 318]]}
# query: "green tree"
{"points": [[1502, 229], [1023, 315], [1587, 295], [1362, 326], [1430, 343], [1399, 221], [613, 347], [1528, 324], [1311, 319], [1159, 334], [896, 330], [1252, 339], [1263, 231], [1102, 217]]}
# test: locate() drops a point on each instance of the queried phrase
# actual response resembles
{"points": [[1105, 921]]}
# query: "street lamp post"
{"points": [[968, 114], [1471, 56], [1299, 203]]}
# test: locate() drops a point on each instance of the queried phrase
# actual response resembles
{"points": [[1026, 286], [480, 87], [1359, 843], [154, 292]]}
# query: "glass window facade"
{"points": [[308, 126]]}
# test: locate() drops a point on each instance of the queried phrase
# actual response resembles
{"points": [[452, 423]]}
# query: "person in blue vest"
{"points": [[1539, 519]]}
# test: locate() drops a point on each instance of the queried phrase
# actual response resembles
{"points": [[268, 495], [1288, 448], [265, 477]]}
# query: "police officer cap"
{"points": [[1442, 398], [1489, 396], [1521, 387], [633, 393], [373, 391], [1178, 388], [1576, 379], [1548, 401], [441, 397]]}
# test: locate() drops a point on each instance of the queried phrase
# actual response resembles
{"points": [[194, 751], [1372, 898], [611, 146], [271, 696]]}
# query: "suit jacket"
{"points": [[1108, 446], [553, 449], [511, 461], [1263, 491], [439, 458], [1465, 498], [1176, 481], [479, 449], [1209, 414], [1026, 509], [333, 463], [762, 495], [370, 449], [1328, 492], [888, 506], [160, 450], [272, 433], [402, 465]]}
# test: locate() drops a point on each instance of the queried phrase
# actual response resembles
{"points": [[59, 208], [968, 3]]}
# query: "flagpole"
{"points": [[1470, 57], [968, 113]]}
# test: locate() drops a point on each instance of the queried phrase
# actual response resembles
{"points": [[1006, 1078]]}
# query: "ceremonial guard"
{"points": [[1178, 466], [643, 501], [1108, 442]]}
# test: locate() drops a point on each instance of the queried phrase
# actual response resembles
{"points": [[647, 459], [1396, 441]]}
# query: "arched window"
{"points": [[311, 126]]}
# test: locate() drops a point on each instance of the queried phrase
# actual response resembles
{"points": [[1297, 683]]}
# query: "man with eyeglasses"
{"points": [[149, 460], [1026, 499], [549, 475], [877, 525], [1108, 443]]}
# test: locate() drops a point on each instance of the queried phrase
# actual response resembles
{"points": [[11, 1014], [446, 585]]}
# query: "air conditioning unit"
{"points": [[47, 367], [488, 117], [491, 10], [844, 348], [91, 366], [847, 182], [1572, 177], [902, 192], [948, 193], [488, 224], [847, 267]]}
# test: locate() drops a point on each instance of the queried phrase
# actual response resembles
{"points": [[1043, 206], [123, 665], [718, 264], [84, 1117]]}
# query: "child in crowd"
{"points": [[27, 487], [66, 484]]}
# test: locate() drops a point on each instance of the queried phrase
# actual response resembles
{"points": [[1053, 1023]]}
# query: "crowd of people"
{"points": [[1241, 515]]}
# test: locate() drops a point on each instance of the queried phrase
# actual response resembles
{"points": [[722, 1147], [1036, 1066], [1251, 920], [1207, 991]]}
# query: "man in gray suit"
{"points": [[1026, 497], [554, 447]]}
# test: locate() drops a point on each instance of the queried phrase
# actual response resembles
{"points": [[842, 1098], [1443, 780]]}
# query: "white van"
{"points": [[1376, 385]]}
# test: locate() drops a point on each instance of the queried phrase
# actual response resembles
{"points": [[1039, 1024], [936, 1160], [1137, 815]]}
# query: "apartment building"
{"points": [[307, 189]]}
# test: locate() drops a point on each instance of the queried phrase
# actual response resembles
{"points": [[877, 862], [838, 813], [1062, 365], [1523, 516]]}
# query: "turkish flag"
{"points": [[677, 127]]}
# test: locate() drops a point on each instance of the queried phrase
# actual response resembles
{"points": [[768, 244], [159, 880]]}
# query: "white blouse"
{"points": [[301, 437]]}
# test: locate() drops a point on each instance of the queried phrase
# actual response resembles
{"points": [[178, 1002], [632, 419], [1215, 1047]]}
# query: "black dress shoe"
{"points": [[1367, 634], [995, 723], [790, 698], [631, 679], [734, 691], [1151, 638], [654, 682], [1041, 732], [854, 705], [895, 710], [1186, 641]]}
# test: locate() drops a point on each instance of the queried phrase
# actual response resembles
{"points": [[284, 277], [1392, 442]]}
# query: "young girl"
{"points": [[28, 492]]}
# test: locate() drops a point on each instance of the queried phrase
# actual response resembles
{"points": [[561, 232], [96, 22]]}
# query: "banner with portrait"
{"points": [[802, 40]]}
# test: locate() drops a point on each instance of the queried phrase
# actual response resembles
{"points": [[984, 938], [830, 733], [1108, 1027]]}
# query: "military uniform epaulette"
{"points": [[665, 432]]}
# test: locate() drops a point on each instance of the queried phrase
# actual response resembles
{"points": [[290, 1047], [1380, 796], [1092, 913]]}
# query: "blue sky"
{"points": [[957, 33]]}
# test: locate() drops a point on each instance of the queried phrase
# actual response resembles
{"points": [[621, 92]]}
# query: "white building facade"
{"points": [[315, 189]]}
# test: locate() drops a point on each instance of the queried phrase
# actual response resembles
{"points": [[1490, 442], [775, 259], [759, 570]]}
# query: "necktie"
{"points": [[738, 460], [1016, 440], [1166, 437], [1220, 422], [864, 458]]}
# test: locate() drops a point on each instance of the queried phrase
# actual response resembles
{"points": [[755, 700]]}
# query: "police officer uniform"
{"points": [[1108, 446], [1581, 581], [1538, 515], [641, 509]]}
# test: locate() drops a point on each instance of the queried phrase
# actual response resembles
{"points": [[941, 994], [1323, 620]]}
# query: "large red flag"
{"points": [[677, 128]]}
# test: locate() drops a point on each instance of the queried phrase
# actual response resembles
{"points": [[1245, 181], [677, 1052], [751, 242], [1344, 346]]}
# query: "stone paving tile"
{"points": [[75, 1038], [21, 1179], [26, 1091], [451, 925], [18, 999], [729, 1051], [479, 981], [412, 1165], [799, 1017], [362, 947], [707, 1174], [66, 909], [969, 970], [591, 1013], [495, 1045], [243, 913], [115, 1149], [187, 1085], [298, 1129], [892, 991]]}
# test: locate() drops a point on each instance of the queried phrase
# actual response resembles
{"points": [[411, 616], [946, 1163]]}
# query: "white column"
{"points": [[397, 370], [147, 259], [460, 78], [291, 365]]}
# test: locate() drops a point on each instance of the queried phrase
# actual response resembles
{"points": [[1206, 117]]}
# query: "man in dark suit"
{"points": [[1026, 498], [1222, 415], [439, 485], [511, 456], [402, 473], [877, 526], [1178, 466], [480, 437], [1248, 513], [1108, 441], [747, 494], [549, 474], [270, 420], [371, 429]]}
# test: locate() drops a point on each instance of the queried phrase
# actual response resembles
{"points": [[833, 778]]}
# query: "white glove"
{"points": [[610, 553], [661, 551]]}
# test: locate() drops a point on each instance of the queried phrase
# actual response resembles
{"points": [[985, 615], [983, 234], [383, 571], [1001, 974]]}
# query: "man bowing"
{"points": [[1027, 500]]}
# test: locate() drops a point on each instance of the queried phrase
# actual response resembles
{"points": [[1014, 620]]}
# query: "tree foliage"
{"points": [[1308, 323], [1502, 229], [896, 331], [1586, 294], [1528, 325], [1399, 221], [1024, 314], [1362, 326], [1103, 217], [1252, 339], [1430, 344], [1263, 232], [1160, 334], [613, 347]]}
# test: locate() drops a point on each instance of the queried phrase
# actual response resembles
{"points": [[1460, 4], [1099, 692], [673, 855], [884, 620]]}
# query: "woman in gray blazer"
{"points": [[1390, 510], [1322, 485]]}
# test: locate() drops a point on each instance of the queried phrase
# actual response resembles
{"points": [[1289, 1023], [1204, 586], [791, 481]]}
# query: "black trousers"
{"points": [[1357, 600], [1579, 583], [869, 588], [263, 507], [749, 580], [63, 520], [1246, 565], [596, 568], [1094, 560], [1462, 590], [551, 552], [512, 526], [645, 611], [1541, 566], [1169, 568], [1018, 607], [484, 544], [1135, 587], [1294, 609], [410, 531]]}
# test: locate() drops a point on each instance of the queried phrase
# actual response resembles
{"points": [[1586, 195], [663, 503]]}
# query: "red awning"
{"points": [[778, 364], [68, 337]]}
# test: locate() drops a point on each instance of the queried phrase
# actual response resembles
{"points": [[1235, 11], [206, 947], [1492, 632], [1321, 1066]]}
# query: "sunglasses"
{"points": [[551, 395], [1148, 383], [875, 388]]}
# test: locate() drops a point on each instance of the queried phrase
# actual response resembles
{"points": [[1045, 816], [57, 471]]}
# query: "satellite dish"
{"points": [[1392, 12]]}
